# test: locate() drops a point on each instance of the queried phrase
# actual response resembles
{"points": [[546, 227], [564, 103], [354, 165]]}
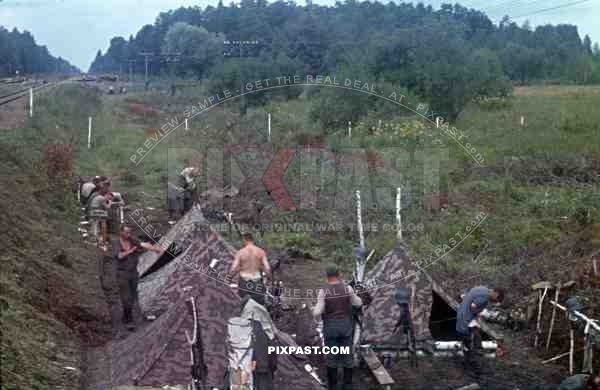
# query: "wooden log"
{"points": [[553, 317], [380, 373]]}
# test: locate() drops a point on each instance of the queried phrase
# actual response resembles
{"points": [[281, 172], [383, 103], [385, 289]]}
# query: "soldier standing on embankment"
{"points": [[126, 250], [98, 214], [181, 194]]}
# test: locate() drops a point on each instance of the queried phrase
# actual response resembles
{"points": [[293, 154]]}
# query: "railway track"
{"points": [[11, 97]]}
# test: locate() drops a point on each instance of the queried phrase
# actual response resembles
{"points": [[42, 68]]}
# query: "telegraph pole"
{"points": [[166, 57], [171, 58], [146, 55], [230, 51], [131, 65]]}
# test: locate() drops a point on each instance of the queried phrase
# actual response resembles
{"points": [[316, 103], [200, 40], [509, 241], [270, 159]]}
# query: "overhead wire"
{"points": [[551, 8], [516, 6]]}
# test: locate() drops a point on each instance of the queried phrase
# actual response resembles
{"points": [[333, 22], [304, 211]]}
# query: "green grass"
{"points": [[524, 212], [539, 186]]}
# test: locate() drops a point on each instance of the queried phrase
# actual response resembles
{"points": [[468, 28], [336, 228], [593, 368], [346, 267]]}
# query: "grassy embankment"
{"points": [[51, 299], [539, 185], [538, 182]]}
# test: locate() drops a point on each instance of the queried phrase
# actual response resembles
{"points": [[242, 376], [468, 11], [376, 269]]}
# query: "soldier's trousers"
{"points": [[263, 381], [471, 348], [338, 333], [128, 283], [255, 288], [188, 200], [174, 204]]}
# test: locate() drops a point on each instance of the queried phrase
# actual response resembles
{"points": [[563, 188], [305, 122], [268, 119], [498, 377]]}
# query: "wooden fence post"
{"points": [[398, 210], [359, 220], [90, 132], [31, 102], [350, 131], [269, 126]]}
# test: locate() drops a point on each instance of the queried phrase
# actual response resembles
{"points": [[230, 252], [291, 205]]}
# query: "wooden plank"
{"points": [[380, 373]]}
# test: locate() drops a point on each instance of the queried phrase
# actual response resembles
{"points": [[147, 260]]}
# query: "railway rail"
{"points": [[11, 97]]}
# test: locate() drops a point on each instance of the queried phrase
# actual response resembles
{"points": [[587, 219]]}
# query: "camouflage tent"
{"points": [[397, 269], [176, 240], [158, 353], [191, 272]]}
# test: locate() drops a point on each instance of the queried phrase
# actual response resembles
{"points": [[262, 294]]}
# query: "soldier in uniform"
{"points": [[181, 193], [467, 317], [126, 251], [87, 189], [98, 214], [188, 182], [334, 304]]}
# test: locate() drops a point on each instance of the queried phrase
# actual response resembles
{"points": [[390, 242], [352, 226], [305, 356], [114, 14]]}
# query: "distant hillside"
{"points": [[20, 52]]}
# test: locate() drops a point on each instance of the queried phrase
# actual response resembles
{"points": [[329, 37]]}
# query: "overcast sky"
{"points": [[76, 29]]}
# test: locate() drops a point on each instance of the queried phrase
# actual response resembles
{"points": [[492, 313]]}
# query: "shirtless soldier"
{"points": [[250, 262]]}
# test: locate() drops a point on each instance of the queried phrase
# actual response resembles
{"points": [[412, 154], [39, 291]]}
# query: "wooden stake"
{"points": [[269, 126], [349, 130], [571, 350], [398, 209], [90, 132], [588, 351], [31, 102], [538, 329], [553, 317], [359, 220]]}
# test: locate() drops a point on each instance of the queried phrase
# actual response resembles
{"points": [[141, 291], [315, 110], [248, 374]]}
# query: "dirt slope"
{"points": [[51, 299]]}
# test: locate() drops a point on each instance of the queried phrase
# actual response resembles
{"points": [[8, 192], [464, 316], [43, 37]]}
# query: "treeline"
{"points": [[447, 55], [19, 52]]}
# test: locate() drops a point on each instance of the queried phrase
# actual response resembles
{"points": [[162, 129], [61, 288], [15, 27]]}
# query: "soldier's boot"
{"points": [[347, 379], [332, 377]]}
